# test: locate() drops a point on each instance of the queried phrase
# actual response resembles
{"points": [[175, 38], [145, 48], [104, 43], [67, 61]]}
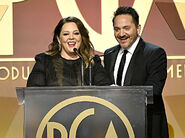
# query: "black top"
{"points": [[57, 71]]}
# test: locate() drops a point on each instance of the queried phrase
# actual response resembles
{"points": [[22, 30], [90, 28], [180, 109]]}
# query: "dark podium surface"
{"points": [[85, 112]]}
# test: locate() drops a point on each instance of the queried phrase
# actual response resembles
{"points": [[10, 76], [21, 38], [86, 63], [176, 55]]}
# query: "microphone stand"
{"points": [[90, 71], [82, 65], [90, 68], [90, 65], [82, 72]]}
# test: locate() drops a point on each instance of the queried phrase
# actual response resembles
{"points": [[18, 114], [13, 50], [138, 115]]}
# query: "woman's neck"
{"points": [[72, 56]]}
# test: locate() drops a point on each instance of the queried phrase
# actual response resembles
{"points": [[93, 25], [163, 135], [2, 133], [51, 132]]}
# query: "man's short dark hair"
{"points": [[123, 10]]}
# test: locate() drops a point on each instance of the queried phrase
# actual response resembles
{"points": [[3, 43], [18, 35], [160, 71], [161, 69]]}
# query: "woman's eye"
{"points": [[65, 34], [76, 33]]}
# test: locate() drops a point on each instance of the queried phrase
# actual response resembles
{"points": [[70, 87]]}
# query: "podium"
{"points": [[85, 111]]}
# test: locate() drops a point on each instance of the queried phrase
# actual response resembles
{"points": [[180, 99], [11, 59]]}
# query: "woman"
{"points": [[60, 65]]}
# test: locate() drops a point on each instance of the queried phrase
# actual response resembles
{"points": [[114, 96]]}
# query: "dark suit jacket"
{"points": [[148, 66]]}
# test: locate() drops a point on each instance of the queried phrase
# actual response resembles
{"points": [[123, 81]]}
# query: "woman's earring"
{"points": [[59, 44], [59, 47]]}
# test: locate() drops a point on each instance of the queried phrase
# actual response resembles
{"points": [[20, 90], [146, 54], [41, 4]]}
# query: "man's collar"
{"points": [[132, 48], [134, 45]]}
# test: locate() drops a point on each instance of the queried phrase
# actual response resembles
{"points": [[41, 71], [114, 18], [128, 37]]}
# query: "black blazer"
{"points": [[148, 66]]}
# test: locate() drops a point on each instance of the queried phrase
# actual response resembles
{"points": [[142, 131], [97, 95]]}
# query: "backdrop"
{"points": [[26, 29]]}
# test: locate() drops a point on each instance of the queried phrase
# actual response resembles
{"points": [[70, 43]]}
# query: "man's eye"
{"points": [[127, 28], [116, 29]]}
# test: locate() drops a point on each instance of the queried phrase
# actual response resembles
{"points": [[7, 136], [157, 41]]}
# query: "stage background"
{"points": [[26, 29]]}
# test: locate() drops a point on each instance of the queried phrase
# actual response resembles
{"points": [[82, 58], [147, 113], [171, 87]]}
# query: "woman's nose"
{"points": [[71, 36]]}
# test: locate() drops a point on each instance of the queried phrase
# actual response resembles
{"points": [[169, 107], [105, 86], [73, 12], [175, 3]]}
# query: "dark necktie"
{"points": [[121, 66]]}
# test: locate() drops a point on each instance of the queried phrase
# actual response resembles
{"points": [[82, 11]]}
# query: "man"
{"points": [[145, 64]]}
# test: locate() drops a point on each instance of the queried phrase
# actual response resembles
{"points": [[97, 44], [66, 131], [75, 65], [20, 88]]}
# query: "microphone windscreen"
{"points": [[74, 49]]}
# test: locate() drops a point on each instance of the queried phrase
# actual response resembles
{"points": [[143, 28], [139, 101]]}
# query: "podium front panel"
{"points": [[85, 112]]}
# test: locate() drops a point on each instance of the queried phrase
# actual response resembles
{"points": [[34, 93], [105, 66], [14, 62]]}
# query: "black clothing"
{"points": [[57, 71], [121, 67]]}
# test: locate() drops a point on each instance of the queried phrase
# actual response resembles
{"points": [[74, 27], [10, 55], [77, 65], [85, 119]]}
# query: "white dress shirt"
{"points": [[130, 50]]}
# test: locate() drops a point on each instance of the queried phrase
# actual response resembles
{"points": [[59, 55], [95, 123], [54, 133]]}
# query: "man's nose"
{"points": [[122, 33]]}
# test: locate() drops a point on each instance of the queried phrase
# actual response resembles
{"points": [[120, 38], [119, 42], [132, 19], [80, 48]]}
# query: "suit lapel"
{"points": [[113, 58], [132, 65]]}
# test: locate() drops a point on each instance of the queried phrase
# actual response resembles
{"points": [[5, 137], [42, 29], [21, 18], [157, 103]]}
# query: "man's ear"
{"points": [[138, 29], [58, 40]]}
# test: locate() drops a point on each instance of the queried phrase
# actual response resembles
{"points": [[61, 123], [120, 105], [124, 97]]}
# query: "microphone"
{"points": [[76, 51], [90, 64], [82, 65]]}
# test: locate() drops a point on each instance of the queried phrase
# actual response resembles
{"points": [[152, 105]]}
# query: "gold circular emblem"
{"points": [[78, 99]]}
